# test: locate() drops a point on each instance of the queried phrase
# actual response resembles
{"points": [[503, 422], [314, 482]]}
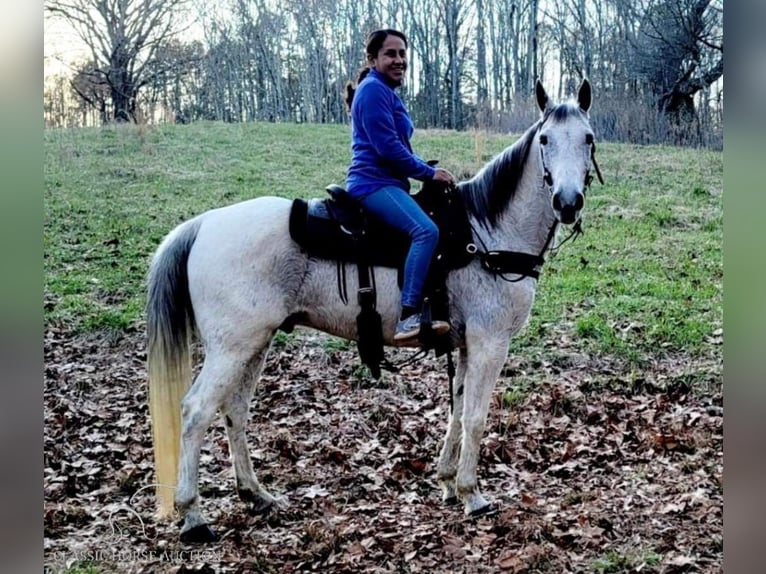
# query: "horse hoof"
{"points": [[262, 509], [487, 510], [450, 501], [265, 506], [201, 534], [261, 503]]}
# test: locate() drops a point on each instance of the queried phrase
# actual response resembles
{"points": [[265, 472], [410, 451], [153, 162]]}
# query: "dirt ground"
{"points": [[594, 467]]}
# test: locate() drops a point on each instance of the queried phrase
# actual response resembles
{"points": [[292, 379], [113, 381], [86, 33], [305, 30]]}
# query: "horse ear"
{"points": [[543, 101], [584, 95]]}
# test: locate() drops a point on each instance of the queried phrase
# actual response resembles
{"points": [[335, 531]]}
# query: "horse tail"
{"points": [[169, 326]]}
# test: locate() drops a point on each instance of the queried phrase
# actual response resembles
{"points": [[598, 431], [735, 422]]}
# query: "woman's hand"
{"points": [[444, 176]]}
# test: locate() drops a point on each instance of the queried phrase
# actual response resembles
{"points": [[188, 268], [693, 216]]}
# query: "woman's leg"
{"points": [[399, 210]]}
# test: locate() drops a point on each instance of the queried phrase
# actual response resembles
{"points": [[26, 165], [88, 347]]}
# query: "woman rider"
{"points": [[382, 163]]}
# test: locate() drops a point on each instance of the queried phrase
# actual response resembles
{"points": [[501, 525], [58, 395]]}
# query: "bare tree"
{"points": [[482, 91], [427, 39], [531, 74], [657, 63], [123, 37], [62, 106], [175, 75], [513, 31], [679, 51], [87, 85]]}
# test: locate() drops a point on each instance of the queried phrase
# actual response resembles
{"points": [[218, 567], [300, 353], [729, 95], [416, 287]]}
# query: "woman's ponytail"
{"points": [[351, 87]]}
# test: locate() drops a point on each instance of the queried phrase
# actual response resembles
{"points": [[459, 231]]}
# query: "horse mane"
{"points": [[487, 194]]}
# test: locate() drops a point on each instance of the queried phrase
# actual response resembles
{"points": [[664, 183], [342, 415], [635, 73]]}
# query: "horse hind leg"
{"points": [[485, 361], [446, 468], [235, 413], [221, 376]]}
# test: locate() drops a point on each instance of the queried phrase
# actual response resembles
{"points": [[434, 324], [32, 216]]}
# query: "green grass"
{"points": [[334, 344], [514, 396], [614, 562], [84, 567], [646, 277]]}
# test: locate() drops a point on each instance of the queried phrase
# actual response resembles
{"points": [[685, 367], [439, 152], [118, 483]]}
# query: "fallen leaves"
{"points": [[580, 468]]}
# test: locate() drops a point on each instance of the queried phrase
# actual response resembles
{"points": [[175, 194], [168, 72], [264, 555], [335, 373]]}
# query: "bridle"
{"points": [[500, 263]]}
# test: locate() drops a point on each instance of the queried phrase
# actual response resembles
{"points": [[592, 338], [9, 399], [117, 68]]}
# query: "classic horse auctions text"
{"points": [[133, 555]]}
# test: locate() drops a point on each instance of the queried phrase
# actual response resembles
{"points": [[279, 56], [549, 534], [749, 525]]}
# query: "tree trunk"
{"points": [[531, 67]]}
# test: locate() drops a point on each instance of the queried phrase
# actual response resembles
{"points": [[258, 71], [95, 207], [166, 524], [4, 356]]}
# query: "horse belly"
{"points": [[319, 300]]}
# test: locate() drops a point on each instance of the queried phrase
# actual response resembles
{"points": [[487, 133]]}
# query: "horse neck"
{"points": [[527, 220]]}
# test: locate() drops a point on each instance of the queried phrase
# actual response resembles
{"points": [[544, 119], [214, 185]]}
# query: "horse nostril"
{"points": [[578, 202], [557, 202]]}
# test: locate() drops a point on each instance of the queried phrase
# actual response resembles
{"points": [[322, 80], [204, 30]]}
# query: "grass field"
{"points": [[645, 277]]}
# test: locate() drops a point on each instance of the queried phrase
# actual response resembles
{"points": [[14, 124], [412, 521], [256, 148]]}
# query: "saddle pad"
{"points": [[320, 235]]}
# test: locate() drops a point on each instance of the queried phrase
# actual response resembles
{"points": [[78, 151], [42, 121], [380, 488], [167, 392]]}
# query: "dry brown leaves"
{"points": [[586, 469]]}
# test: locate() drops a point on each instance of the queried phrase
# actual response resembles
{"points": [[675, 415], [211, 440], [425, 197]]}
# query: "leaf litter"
{"points": [[592, 469]]}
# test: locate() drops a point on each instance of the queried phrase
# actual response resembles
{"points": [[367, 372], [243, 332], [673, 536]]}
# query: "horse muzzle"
{"points": [[567, 203]]}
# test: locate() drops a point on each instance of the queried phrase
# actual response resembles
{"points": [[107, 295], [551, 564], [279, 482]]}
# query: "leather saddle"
{"points": [[338, 228]]}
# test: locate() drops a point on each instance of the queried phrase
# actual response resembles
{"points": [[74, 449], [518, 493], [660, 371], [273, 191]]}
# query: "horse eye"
{"points": [[589, 139], [544, 139]]}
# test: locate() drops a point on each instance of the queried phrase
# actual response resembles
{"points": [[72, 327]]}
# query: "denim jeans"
{"points": [[395, 206]]}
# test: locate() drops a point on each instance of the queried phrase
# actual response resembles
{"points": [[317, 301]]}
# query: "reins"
{"points": [[595, 165]]}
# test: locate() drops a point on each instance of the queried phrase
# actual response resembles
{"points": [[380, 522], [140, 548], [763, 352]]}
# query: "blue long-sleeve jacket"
{"points": [[381, 129]]}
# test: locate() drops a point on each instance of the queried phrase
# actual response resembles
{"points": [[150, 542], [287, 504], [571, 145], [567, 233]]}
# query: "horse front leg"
{"points": [[446, 469], [235, 411], [485, 358]]}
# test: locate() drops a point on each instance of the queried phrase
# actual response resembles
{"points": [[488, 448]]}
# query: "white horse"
{"points": [[235, 274]]}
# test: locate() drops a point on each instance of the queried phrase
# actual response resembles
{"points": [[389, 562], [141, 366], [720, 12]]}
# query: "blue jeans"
{"points": [[395, 206]]}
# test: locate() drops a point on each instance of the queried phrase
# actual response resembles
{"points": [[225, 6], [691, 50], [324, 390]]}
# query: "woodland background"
{"points": [[656, 65]]}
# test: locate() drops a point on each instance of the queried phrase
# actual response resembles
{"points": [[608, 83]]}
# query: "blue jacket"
{"points": [[381, 129]]}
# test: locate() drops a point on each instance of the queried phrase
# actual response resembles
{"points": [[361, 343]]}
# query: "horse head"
{"points": [[566, 147]]}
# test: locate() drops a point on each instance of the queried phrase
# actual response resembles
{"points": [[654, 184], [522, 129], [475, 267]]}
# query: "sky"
{"points": [[60, 45]]}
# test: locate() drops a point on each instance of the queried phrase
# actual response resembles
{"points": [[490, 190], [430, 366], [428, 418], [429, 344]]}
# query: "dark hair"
{"points": [[374, 44]]}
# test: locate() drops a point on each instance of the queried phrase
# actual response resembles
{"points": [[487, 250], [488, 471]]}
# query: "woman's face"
{"points": [[391, 60]]}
